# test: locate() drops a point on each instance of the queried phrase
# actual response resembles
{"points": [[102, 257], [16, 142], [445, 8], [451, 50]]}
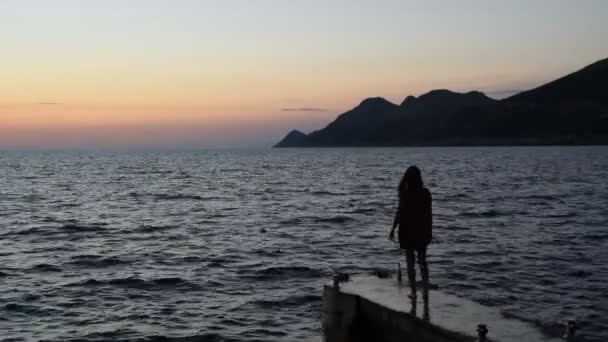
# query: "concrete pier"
{"points": [[372, 309]]}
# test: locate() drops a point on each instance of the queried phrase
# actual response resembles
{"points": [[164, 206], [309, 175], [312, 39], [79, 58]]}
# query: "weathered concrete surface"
{"points": [[373, 309]]}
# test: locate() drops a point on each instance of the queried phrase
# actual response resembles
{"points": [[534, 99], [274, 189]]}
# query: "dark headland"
{"points": [[570, 110]]}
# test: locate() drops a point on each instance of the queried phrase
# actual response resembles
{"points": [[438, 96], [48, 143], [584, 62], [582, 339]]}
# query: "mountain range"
{"points": [[570, 110]]}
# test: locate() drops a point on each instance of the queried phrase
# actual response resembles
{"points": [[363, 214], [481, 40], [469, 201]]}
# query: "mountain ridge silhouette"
{"points": [[572, 109]]}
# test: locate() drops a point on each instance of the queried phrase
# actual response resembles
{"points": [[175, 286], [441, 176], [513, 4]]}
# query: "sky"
{"points": [[186, 73]]}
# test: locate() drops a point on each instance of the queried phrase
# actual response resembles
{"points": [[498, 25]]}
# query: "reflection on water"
{"points": [[426, 311]]}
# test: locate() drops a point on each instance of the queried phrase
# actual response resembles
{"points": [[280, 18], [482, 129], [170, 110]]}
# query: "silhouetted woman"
{"points": [[415, 220]]}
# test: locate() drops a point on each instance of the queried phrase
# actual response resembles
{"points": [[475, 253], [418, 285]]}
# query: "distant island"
{"points": [[569, 110]]}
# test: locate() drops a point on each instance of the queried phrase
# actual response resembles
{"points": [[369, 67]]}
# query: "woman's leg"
{"points": [[424, 272], [410, 258]]}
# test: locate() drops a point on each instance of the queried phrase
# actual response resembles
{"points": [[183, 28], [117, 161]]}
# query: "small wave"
{"points": [[450, 227], [579, 274], [460, 195], [543, 197], [594, 237], [339, 219], [31, 297], [561, 215], [267, 332], [15, 307], [269, 253], [233, 322], [326, 193], [45, 268], [32, 198], [362, 211], [176, 197], [182, 175], [215, 264], [151, 229], [272, 273], [451, 197], [112, 335], [69, 205], [193, 258], [483, 214], [171, 281], [29, 309], [96, 261], [88, 282], [166, 197], [32, 231], [335, 219], [136, 282], [207, 337], [291, 221], [142, 284], [373, 203], [301, 300], [217, 215], [224, 259], [74, 227], [559, 223], [367, 236], [213, 198], [154, 172], [490, 265], [49, 219]]}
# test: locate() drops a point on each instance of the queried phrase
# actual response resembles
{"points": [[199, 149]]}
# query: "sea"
{"points": [[235, 245]]}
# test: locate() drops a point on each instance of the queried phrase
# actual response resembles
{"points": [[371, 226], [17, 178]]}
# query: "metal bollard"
{"points": [[340, 277], [336, 279], [482, 332], [570, 329]]}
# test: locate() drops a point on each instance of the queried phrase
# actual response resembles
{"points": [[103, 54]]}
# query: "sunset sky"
{"points": [[231, 73]]}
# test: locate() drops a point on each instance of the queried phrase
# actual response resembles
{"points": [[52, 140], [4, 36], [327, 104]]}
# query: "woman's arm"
{"points": [[391, 235], [429, 217]]}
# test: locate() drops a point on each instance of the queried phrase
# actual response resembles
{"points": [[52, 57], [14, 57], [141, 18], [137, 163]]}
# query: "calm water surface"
{"points": [[234, 245]]}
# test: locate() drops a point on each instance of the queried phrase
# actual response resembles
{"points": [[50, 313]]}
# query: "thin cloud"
{"points": [[304, 109], [49, 103]]}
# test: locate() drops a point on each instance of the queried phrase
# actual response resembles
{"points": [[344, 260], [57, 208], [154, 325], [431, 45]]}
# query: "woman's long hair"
{"points": [[411, 181]]}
